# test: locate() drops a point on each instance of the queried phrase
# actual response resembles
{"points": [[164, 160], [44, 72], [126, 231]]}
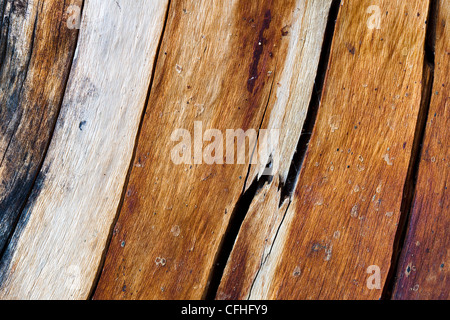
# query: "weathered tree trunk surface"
{"points": [[226, 64], [344, 214], [423, 271], [56, 249], [266, 149], [36, 50]]}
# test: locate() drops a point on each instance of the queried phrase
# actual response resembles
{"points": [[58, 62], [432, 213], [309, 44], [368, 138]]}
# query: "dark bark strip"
{"points": [[36, 51]]}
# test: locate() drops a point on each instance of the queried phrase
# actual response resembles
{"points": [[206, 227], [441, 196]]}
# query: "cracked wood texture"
{"points": [[92, 204], [423, 271], [225, 63], [345, 210], [288, 113], [56, 249], [36, 50]]}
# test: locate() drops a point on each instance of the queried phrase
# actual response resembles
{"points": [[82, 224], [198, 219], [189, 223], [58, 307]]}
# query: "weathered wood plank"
{"points": [[288, 105], [291, 99], [219, 63], [254, 243], [56, 250], [36, 50], [346, 207], [423, 271]]}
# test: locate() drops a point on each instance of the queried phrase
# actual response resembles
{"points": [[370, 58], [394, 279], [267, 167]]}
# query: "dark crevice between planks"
{"points": [[238, 216], [35, 185], [269, 165], [413, 170], [243, 205], [288, 188], [127, 179], [297, 162]]}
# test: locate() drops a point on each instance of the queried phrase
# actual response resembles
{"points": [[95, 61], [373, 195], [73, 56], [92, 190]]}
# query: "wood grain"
{"points": [[344, 214], [225, 64], [36, 50], [423, 271], [287, 112], [288, 105], [56, 250]]}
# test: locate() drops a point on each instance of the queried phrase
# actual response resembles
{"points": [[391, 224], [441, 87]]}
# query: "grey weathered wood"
{"points": [[56, 250]]}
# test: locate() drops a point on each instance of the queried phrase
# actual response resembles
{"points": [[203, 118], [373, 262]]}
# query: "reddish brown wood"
{"points": [[423, 271]]}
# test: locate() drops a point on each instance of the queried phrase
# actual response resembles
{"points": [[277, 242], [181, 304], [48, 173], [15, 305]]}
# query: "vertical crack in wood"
{"points": [[264, 258], [411, 179], [130, 167], [287, 189], [238, 216], [243, 205]]}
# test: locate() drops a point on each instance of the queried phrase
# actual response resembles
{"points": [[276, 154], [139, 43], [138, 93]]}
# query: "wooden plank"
{"points": [[254, 242], [36, 50], [289, 112], [288, 106], [226, 64], [423, 271], [56, 250], [344, 215]]}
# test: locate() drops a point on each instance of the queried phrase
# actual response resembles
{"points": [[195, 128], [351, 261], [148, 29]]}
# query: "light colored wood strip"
{"points": [[423, 271], [219, 63], [293, 86], [344, 215], [56, 250], [36, 50]]}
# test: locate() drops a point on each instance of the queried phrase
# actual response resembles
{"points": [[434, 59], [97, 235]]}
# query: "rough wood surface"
{"points": [[293, 84], [423, 271], [36, 50], [346, 207], [226, 68], [348, 201], [287, 113], [56, 250]]}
